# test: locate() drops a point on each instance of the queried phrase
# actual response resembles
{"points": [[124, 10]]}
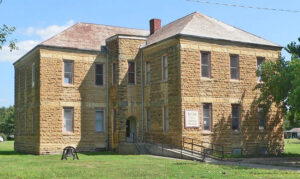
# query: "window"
{"points": [[205, 64], [235, 116], [33, 74], [261, 118], [148, 120], [147, 72], [99, 120], [115, 119], [68, 119], [234, 67], [19, 85], [260, 60], [113, 73], [99, 74], [68, 72], [25, 122], [207, 116], [164, 68], [165, 119], [131, 72], [32, 122]]}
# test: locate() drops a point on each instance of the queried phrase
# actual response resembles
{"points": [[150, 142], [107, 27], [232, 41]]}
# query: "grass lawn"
{"points": [[110, 165], [292, 146]]}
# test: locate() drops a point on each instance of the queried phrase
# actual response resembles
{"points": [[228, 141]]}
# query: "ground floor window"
{"points": [[207, 116], [68, 119], [99, 120], [235, 117], [261, 118]]}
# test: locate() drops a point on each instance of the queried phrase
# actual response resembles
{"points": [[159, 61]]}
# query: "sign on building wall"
{"points": [[191, 118]]}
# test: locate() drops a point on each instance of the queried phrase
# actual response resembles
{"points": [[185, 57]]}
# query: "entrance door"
{"points": [[131, 133]]}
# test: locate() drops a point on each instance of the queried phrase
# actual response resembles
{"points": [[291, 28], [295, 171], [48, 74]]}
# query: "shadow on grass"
{"points": [[99, 153], [10, 152]]}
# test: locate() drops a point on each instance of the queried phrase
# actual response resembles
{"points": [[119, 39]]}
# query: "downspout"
{"points": [[107, 96], [142, 92]]}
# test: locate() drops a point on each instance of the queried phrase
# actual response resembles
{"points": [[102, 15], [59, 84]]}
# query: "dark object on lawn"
{"points": [[69, 152]]}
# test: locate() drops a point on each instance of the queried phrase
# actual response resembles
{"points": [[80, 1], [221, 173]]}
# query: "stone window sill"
{"points": [[205, 79], [68, 134], [68, 85], [207, 132], [236, 132], [235, 81]]}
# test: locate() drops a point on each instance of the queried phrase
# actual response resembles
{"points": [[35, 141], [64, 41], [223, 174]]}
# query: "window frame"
{"points": [[165, 119], [257, 66], [72, 112], [261, 128], [103, 75], [164, 65], [208, 65], [33, 76], [237, 68], [147, 73], [238, 118], [72, 72], [103, 120], [148, 120], [131, 72], [210, 116], [113, 70]]}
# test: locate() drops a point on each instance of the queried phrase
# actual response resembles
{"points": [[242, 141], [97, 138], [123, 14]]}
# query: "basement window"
{"points": [[234, 67], [68, 72], [99, 74]]}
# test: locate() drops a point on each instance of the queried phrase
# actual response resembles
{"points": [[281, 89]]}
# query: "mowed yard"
{"points": [[111, 165]]}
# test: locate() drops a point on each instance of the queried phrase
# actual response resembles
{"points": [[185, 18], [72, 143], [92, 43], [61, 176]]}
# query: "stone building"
{"points": [[96, 86]]}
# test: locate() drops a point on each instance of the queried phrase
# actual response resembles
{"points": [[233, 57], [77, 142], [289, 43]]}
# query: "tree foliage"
{"points": [[280, 84], [7, 120], [4, 32]]}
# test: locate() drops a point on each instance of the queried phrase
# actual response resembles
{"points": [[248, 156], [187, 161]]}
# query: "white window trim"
{"points": [[103, 121], [238, 67], [103, 76], [209, 64], [63, 79]]}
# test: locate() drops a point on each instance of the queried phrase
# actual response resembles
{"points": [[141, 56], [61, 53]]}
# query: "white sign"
{"points": [[191, 118]]}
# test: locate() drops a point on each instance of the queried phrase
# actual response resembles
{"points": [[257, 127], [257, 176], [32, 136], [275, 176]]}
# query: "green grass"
{"points": [[110, 165], [292, 147]]}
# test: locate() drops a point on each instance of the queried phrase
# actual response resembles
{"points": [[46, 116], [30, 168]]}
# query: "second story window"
{"points": [[68, 72], [205, 64], [99, 120], [113, 73], [260, 60], [99, 74], [164, 68], [234, 67], [235, 117], [33, 74], [147, 73], [131, 73]]}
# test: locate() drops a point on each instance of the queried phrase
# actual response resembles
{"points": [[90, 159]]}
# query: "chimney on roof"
{"points": [[155, 24]]}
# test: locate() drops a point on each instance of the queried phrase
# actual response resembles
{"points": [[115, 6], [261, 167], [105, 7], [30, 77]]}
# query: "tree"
{"points": [[281, 85], [4, 32], [7, 120]]}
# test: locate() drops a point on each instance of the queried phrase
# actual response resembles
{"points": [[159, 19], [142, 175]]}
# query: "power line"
{"points": [[242, 6]]}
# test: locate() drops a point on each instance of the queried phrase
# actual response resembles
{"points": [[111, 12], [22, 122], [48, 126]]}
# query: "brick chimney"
{"points": [[155, 24]]}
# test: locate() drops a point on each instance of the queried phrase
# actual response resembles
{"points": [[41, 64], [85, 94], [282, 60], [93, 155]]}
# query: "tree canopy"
{"points": [[280, 84], [7, 120]]}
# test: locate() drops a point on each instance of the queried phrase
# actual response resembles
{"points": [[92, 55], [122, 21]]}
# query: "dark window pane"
{"points": [[131, 67], [235, 116], [99, 80], [233, 72], [99, 69], [68, 66], [131, 78], [204, 71], [233, 61], [206, 116], [204, 58], [131, 72], [261, 119]]}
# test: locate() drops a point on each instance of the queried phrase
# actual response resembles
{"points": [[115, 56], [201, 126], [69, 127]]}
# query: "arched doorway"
{"points": [[131, 129]]}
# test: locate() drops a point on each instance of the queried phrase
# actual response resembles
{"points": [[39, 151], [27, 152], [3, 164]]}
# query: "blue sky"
{"points": [[38, 20]]}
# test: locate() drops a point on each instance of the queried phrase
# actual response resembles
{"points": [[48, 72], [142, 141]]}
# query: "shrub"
{"points": [[3, 136]]}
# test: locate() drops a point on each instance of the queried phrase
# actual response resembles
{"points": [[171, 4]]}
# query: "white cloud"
{"points": [[45, 33], [26, 45]]}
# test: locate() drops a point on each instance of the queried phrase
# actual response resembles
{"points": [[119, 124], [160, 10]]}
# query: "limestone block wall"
{"points": [[27, 104], [221, 92], [84, 96], [159, 93]]}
